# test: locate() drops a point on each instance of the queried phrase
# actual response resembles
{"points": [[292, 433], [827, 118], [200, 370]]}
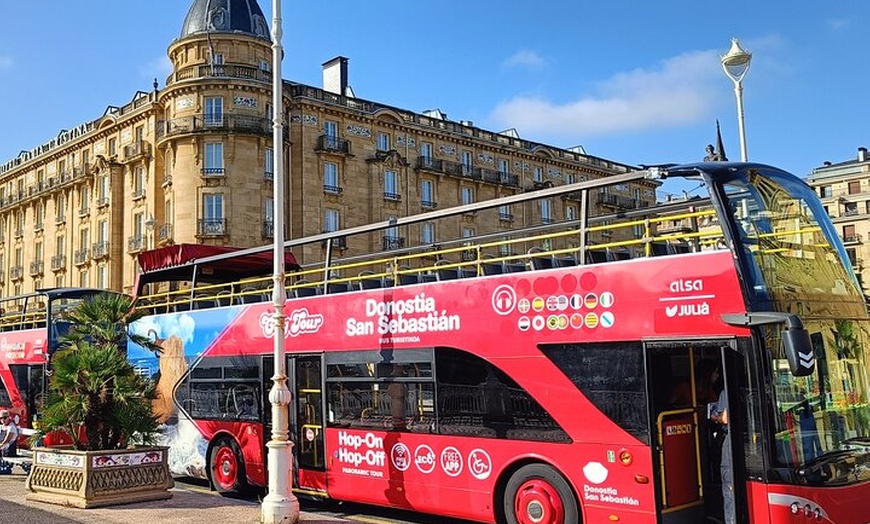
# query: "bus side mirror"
{"points": [[795, 338], [799, 351]]}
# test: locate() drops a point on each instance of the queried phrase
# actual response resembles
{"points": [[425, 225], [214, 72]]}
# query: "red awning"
{"points": [[174, 263]]}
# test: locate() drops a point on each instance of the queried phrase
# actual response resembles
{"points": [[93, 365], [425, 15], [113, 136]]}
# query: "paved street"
{"points": [[189, 505]]}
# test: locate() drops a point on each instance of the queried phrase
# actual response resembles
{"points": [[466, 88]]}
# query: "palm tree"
{"points": [[96, 396]]}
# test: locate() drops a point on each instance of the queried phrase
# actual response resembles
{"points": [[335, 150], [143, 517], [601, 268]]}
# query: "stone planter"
{"points": [[90, 479]]}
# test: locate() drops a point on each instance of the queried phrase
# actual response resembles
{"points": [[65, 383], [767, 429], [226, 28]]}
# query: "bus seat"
{"points": [[566, 261], [224, 298], [367, 281], [514, 266]]}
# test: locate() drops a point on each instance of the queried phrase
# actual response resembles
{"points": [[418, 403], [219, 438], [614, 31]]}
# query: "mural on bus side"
{"points": [[184, 337]]}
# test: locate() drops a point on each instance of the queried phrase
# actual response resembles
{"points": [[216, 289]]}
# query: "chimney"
{"points": [[335, 76], [862, 154], [827, 163]]}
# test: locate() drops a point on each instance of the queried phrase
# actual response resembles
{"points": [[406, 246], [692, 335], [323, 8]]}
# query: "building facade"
{"points": [[844, 188], [192, 163]]}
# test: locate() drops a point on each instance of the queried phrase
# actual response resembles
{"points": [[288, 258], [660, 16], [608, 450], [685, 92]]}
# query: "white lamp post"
{"points": [[736, 65], [280, 505]]}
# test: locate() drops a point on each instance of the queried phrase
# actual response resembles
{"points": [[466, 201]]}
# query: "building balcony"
{"points": [[136, 243], [332, 190], [16, 273], [337, 242], [212, 172], [100, 250], [19, 232], [58, 262], [102, 202], [138, 194], [81, 256], [254, 125], [392, 197], [212, 227], [269, 176], [167, 180], [136, 151], [268, 229], [391, 243], [506, 217], [333, 144], [617, 201], [164, 232], [851, 239], [241, 72], [428, 204], [37, 267], [84, 211]]}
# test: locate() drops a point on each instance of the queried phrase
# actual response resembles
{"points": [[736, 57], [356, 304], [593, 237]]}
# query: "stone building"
{"points": [[844, 188], [192, 163]]}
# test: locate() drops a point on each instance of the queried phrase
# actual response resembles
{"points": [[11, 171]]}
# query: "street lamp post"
{"points": [[736, 65], [279, 506]]}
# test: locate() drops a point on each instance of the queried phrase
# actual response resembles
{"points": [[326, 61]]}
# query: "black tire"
{"points": [[226, 467], [538, 494]]}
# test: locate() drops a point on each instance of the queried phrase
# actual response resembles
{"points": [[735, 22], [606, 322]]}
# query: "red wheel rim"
{"points": [[225, 469], [537, 502]]}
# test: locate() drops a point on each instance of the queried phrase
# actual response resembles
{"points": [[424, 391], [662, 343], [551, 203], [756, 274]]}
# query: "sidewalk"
{"points": [[187, 506]]}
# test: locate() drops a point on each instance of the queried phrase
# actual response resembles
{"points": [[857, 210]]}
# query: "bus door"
{"points": [[305, 374], [685, 378]]}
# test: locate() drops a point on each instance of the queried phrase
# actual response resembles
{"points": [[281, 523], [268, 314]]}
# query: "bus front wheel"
{"points": [[538, 494], [226, 467]]}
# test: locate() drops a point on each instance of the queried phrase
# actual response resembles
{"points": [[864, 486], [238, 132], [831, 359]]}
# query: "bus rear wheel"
{"points": [[538, 494], [226, 467]]}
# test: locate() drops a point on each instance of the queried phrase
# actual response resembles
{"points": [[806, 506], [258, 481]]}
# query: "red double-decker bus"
{"points": [[563, 373], [30, 327]]}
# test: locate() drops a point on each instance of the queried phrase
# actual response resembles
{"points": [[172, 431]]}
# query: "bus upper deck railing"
{"points": [[510, 251]]}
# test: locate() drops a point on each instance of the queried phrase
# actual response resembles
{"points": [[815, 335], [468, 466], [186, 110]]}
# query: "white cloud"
{"points": [[160, 68], [676, 92], [525, 58]]}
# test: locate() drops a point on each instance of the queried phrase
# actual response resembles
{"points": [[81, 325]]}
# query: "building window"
{"points": [[850, 209], [113, 147], [383, 142], [269, 218], [84, 281], [214, 159], [330, 128], [213, 222], [826, 191], [391, 186], [504, 213], [427, 194], [466, 195], [427, 233], [330, 178], [269, 163], [855, 187], [214, 111], [426, 152], [60, 209], [546, 212], [538, 174], [467, 162], [570, 213], [467, 232], [504, 166], [330, 221], [139, 183], [102, 277]]}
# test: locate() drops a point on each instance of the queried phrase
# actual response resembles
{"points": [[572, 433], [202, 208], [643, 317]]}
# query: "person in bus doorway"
{"points": [[721, 415], [8, 435]]}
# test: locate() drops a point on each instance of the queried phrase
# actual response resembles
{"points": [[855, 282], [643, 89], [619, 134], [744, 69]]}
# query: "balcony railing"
{"points": [[332, 190], [506, 217], [81, 256], [100, 250], [268, 229], [212, 172], [16, 272], [333, 144], [37, 267], [214, 123], [164, 232], [393, 197], [212, 227], [136, 243], [244, 72], [391, 243], [19, 232], [138, 149], [337, 242], [847, 239], [269, 176], [138, 194], [618, 201], [58, 262], [428, 204]]}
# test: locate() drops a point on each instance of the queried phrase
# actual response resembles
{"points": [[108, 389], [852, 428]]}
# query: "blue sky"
{"points": [[634, 82]]}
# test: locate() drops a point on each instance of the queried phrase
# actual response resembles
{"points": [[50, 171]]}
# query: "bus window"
{"points": [[222, 388], [476, 398], [5, 400], [611, 375]]}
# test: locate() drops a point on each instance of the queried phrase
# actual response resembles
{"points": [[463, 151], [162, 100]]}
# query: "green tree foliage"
{"points": [[95, 395]]}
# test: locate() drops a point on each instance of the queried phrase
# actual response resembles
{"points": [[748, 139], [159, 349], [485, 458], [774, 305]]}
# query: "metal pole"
{"points": [[738, 92], [279, 506]]}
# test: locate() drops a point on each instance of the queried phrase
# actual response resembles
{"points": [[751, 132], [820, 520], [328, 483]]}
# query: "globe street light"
{"points": [[736, 65]]}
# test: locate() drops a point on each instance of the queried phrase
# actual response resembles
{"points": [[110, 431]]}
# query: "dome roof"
{"points": [[226, 16]]}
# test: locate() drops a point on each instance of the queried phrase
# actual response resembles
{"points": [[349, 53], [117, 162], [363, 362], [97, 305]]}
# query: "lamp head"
{"points": [[736, 61]]}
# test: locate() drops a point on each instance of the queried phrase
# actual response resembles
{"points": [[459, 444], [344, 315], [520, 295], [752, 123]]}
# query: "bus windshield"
{"points": [[793, 262]]}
